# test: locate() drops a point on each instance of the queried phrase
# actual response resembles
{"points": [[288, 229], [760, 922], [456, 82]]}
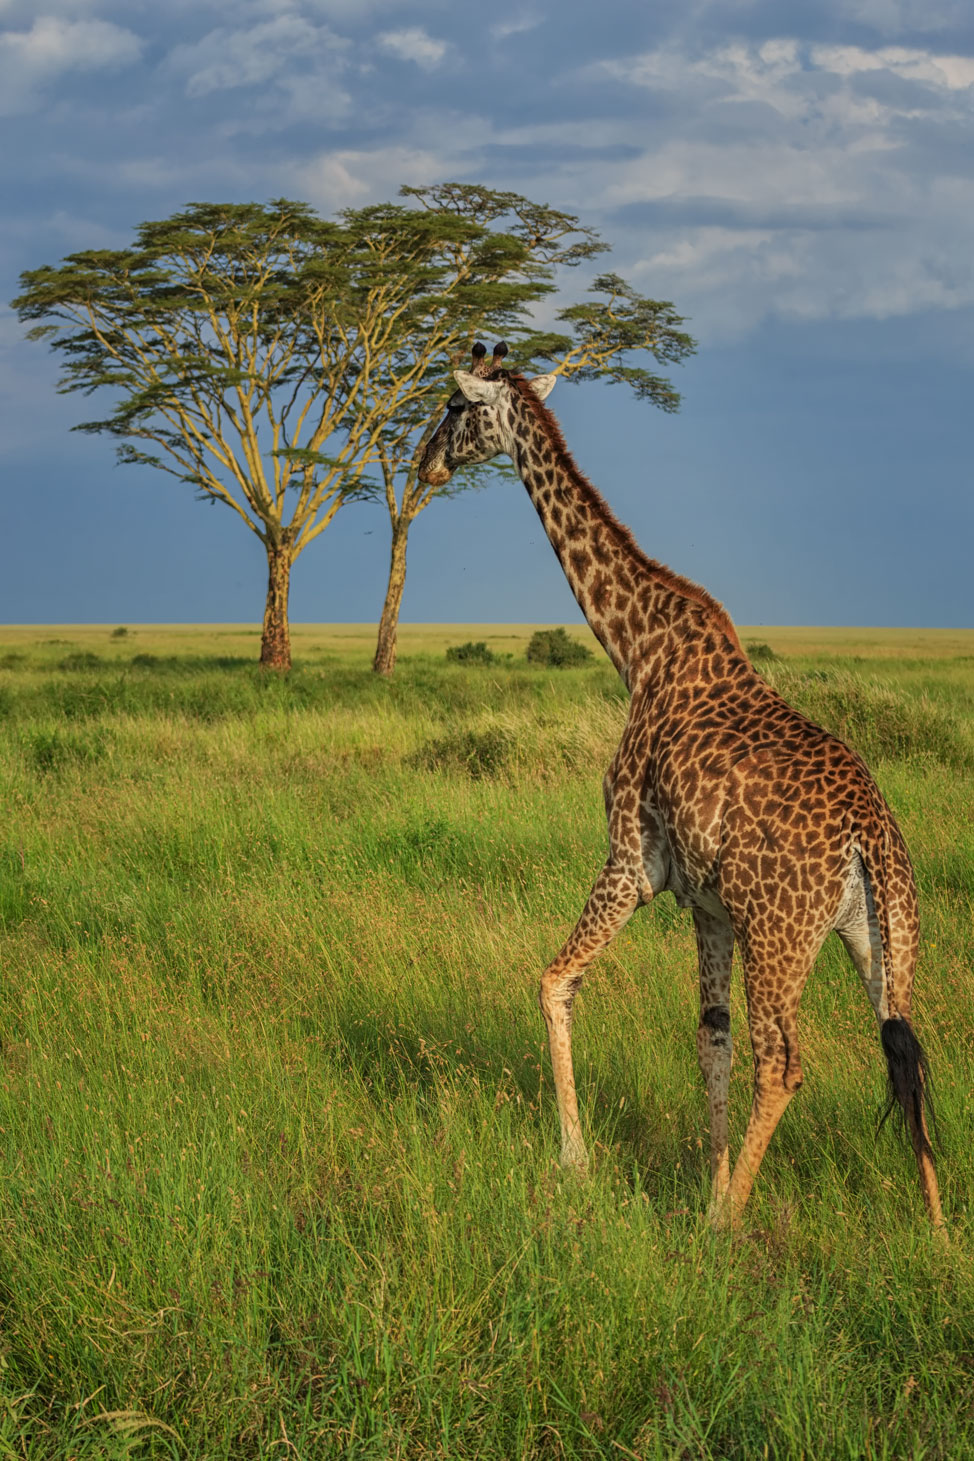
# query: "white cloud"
{"points": [[735, 72], [226, 59], [763, 174], [774, 176], [350, 178], [812, 83], [296, 66], [29, 59], [799, 180], [956, 73], [413, 44], [516, 26]]}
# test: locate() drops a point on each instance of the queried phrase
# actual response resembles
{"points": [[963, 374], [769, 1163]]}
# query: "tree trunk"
{"points": [[385, 650], [275, 644]]}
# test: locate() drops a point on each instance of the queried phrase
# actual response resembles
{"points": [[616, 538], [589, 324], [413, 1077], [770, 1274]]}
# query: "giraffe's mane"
{"points": [[564, 459]]}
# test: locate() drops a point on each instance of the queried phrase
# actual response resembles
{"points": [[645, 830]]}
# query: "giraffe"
{"points": [[769, 829]]}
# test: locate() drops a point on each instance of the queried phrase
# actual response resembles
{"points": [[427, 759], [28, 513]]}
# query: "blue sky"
{"points": [[795, 177]]}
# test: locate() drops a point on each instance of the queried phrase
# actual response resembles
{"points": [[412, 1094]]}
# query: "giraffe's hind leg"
{"points": [[715, 950], [613, 900], [772, 997]]}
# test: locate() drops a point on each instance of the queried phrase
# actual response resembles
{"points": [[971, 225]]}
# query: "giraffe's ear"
{"points": [[477, 389], [543, 385]]}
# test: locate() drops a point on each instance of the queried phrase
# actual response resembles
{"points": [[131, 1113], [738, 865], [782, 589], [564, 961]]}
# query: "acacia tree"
{"points": [[597, 341], [272, 358]]}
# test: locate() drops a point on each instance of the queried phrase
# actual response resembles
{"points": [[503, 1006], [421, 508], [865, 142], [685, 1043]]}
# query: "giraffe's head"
{"points": [[481, 418]]}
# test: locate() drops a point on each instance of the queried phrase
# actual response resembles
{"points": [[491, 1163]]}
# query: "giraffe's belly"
{"points": [[668, 869], [681, 860], [656, 855], [691, 893]]}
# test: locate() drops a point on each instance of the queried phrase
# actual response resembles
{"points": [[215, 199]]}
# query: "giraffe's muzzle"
{"points": [[434, 473]]}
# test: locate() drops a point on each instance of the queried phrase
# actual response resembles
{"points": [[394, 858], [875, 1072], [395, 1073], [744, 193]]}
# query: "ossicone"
{"points": [[500, 350], [478, 359]]}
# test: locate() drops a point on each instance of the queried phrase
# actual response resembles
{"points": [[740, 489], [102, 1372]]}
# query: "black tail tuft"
{"points": [[909, 1082]]}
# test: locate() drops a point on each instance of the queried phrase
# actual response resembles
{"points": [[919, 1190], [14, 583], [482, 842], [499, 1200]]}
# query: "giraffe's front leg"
{"points": [[715, 949], [611, 903]]}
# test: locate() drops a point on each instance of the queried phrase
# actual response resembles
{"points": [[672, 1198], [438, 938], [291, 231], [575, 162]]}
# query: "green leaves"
{"points": [[539, 229], [607, 329], [283, 363]]}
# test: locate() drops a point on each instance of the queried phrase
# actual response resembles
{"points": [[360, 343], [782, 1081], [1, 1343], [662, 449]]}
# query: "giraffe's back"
{"points": [[765, 811]]}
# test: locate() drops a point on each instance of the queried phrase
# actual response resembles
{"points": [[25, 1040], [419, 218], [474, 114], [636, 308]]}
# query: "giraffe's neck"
{"points": [[632, 603]]}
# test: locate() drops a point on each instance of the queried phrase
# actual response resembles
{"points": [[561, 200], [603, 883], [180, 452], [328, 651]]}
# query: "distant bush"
{"points": [[51, 750], [82, 659], [471, 653], [480, 753], [556, 649], [758, 652], [120, 633], [529, 743]]}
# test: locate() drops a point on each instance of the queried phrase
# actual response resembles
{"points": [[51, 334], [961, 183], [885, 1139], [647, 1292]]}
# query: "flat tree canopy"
{"points": [[284, 364]]}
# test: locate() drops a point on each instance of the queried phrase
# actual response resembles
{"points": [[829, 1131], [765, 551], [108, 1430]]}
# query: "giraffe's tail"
{"points": [[909, 1082], [906, 1064]]}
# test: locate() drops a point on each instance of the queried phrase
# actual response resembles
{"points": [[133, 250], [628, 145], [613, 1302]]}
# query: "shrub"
{"points": [[120, 633], [757, 652], [52, 750], [556, 649], [83, 659], [471, 653], [480, 753]]}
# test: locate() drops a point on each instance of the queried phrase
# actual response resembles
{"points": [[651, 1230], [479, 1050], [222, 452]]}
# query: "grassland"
{"points": [[278, 1145]]}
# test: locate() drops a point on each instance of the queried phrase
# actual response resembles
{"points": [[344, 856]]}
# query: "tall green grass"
{"points": [[279, 1142]]}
